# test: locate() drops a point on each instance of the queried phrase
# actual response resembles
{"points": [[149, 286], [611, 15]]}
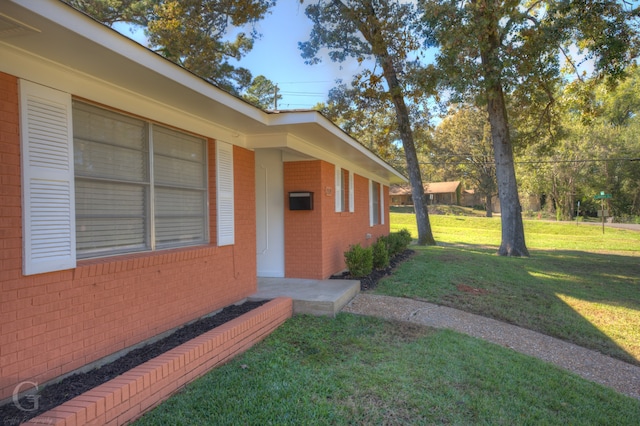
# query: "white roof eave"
{"points": [[55, 32]]}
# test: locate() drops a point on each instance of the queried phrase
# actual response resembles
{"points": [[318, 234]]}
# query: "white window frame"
{"points": [[340, 206], [152, 216], [372, 205], [48, 181], [339, 184]]}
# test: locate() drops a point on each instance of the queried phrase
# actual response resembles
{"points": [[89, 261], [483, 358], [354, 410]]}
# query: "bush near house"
{"points": [[361, 261], [380, 253]]}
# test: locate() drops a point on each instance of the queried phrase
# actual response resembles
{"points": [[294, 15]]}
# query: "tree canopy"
{"points": [[381, 31], [463, 139], [503, 49], [193, 33]]}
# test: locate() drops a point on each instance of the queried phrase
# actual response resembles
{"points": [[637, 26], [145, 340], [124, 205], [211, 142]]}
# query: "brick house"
{"points": [[436, 192], [136, 197]]}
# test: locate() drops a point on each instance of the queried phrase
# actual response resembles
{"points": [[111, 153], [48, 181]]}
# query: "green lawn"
{"points": [[577, 285], [362, 370], [538, 234]]}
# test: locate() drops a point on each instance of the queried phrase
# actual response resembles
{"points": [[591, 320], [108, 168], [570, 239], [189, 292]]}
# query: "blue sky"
{"points": [[276, 56]]}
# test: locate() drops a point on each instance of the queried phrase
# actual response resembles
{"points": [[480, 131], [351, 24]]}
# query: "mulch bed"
{"points": [[370, 281], [56, 394]]}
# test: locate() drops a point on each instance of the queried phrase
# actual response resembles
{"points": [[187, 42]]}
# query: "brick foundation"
{"points": [[128, 396]]}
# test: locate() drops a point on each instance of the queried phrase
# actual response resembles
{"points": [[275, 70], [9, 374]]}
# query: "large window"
{"points": [[139, 186]]}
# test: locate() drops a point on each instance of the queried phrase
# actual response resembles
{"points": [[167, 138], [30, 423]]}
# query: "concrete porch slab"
{"points": [[314, 297]]}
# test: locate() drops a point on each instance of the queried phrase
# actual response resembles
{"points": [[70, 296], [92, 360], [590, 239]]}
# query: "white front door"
{"points": [[269, 213]]}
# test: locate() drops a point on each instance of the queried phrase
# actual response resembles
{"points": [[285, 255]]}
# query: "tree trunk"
{"points": [[425, 236], [370, 30], [513, 243], [488, 207]]}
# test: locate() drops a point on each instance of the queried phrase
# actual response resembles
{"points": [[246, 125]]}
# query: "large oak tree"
{"points": [[380, 30], [489, 48]]}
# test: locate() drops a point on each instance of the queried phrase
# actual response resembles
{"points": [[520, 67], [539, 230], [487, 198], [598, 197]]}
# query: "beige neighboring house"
{"points": [[437, 193], [471, 198]]}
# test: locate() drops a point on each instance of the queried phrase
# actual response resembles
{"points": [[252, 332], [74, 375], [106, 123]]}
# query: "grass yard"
{"points": [[578, 285], [360, 370]]}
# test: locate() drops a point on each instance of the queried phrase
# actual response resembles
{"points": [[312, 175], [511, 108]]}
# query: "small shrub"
{"points": [[405, 238], [380, 253], [398, 242], [394, 244], [359, 260]]}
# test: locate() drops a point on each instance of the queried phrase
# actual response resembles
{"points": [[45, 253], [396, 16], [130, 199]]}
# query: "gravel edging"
{"points": [[587, 363]]}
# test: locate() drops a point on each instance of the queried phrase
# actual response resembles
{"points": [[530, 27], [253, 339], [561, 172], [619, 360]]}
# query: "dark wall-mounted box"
{"points": [[301, 201]]}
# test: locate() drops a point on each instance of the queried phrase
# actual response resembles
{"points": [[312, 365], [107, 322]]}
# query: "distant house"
{"points": [[137, 197], [436, 192]]}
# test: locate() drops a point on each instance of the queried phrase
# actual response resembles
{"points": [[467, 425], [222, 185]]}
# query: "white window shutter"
{"points": [[49, 242], [382, 204], [352, 190], [338, 185], [224, 181]]}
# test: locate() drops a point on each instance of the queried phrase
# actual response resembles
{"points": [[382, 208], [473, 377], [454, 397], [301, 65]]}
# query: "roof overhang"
{"points": [[34, 33]]}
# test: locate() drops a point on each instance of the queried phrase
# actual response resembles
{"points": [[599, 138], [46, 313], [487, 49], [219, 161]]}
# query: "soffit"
{"points": [[52, 31]]}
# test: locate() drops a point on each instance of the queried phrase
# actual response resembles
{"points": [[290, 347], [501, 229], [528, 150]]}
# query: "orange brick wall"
{"points": [[54, 323], [303, 228], [315, 241], [128, 396]]}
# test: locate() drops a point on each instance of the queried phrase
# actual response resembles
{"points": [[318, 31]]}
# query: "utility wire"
{"points": [[533, 161]]}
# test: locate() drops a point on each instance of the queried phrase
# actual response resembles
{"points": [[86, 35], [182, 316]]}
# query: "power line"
{"points": [[300, 93], [599, 160], [305, 82]]}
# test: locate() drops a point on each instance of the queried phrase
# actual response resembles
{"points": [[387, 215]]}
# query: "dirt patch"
{"points": [[370, 281], [472, 290], [58, 393], [405, 332]]}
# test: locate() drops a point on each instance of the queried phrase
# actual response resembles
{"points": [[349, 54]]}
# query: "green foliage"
{"points": [[380, 253], [397, 242], [193, 33], [495, 53], [380, 36], [588, 156], [463, 148], [262, 93], [359, 260], [405, 238]]}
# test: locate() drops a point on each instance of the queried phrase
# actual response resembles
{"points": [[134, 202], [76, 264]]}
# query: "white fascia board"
{"points": [[291, 143], [300, 118], [38, 70], [87, 28]]}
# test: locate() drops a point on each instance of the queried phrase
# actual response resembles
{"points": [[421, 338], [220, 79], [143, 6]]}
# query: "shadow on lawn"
{"points": [[590, 299]]}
